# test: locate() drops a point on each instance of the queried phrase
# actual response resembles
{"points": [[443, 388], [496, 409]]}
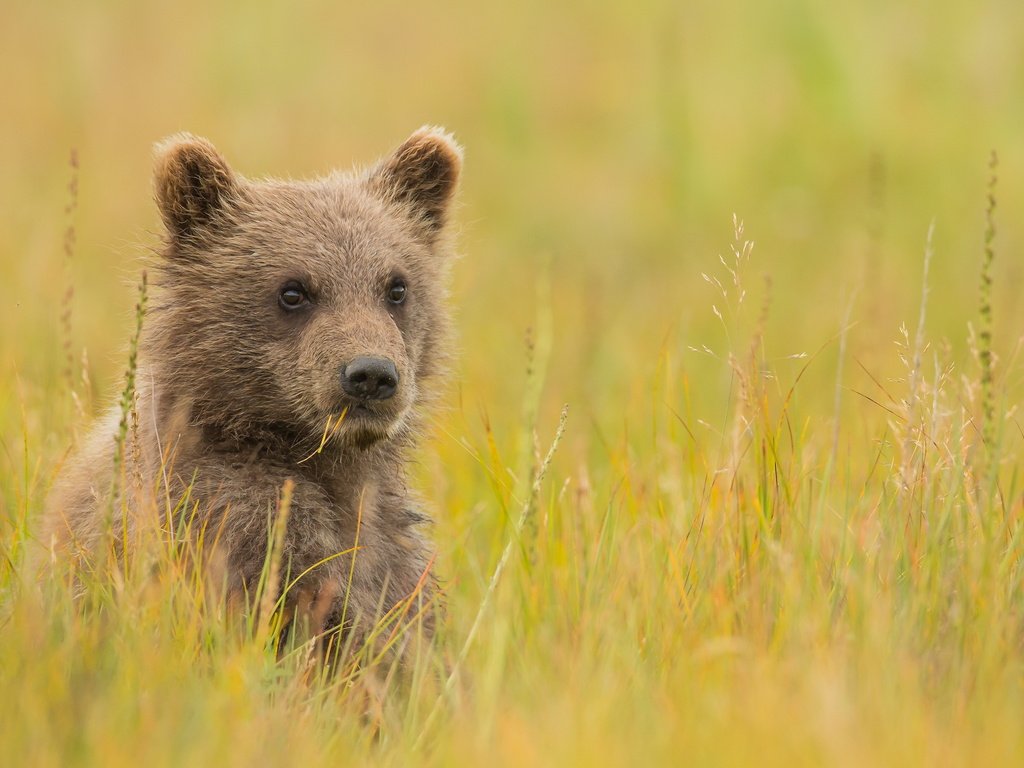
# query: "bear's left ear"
{"points": [[422, 175], [192, 183]]}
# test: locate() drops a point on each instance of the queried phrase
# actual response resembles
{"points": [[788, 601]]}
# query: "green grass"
{"points": [[778, 529]]}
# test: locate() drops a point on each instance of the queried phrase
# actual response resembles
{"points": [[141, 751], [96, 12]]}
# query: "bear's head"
{"points": [[295, 310]]}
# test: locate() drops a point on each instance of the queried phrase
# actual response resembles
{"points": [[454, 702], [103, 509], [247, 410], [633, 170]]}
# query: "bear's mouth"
{"points": [[363, 423], [357, 411]]}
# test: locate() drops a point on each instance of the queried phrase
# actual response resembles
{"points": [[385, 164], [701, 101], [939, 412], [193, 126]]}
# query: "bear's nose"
{"points": [[370, 378]]}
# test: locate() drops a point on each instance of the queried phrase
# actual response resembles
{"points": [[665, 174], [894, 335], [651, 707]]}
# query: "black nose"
{"points": [[370, 378]]}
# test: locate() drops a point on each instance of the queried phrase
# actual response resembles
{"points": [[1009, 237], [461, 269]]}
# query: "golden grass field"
{"points": [[784, 524]]}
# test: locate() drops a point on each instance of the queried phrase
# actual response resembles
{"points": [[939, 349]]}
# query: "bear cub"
{"points": [[296, 333]]}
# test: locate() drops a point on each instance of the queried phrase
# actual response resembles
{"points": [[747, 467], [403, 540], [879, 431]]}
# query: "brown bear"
{"points": [[296, 332]]}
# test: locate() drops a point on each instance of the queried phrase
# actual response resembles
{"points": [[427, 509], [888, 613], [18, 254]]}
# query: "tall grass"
{"points": [[740, 591]]}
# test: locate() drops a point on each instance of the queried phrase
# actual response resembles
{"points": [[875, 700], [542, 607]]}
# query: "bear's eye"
{"points": [[293, 295], [397, 291]]}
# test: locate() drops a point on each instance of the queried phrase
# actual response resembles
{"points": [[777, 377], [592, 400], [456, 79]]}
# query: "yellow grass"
{"points": [[783, 524]]}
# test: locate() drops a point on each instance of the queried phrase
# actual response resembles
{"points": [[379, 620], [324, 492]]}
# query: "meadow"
{"points": [[728, 468]]}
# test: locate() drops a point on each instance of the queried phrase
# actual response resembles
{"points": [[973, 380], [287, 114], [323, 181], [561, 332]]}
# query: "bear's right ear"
{"points": [[192, 184]]}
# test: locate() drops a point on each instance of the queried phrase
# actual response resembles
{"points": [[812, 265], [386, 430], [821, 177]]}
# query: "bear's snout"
{"points": [[369, 378]]}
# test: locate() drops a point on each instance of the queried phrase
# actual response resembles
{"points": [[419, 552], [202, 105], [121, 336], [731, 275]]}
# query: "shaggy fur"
{"points": [[235, 391]]}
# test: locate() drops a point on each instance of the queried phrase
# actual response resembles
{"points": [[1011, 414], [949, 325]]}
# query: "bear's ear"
{"points": [[192, 183], [422, 175]]}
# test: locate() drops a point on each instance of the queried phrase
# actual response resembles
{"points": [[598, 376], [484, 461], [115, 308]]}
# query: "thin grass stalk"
{"points": [[495, 580]]}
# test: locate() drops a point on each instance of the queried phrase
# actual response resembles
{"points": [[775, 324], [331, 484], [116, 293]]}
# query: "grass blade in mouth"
{"points": [[330, 429]]}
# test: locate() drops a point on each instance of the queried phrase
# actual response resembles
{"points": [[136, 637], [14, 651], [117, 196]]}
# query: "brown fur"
{"points": [[234, 392]]}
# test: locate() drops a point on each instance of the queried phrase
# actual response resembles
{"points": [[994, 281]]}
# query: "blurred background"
{"points": [[608, 147]]}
